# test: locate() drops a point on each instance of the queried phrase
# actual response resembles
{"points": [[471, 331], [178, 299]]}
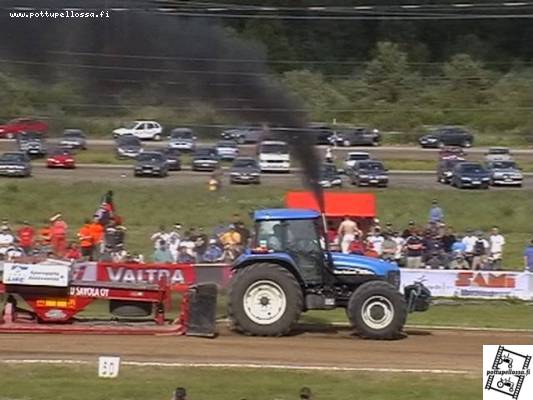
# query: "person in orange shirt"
{"points": [[58, 235], [97, 234], [85, 238]]}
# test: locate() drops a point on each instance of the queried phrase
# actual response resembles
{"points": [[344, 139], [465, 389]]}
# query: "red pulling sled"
{"points": [[54, 302]]}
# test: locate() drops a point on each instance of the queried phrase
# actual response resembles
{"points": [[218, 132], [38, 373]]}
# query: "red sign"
{"points": [[178, 276], [486, 280]]}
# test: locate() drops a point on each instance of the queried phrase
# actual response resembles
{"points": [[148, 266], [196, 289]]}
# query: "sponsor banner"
{"points": [[56, 275], [475, 284], [177, 275]]}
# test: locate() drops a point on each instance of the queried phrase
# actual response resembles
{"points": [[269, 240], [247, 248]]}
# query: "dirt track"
{"points": [[427, 349]]}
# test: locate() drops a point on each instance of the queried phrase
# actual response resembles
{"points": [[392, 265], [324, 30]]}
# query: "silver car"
{"points": [[505, 173], [182, 139], [227, 150], [74, 139]]}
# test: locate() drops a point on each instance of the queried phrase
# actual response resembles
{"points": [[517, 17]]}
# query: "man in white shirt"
{"points": [[6, 240], [469, 240], [400, 241], [160, 235], [377, 239], [497, 241]]}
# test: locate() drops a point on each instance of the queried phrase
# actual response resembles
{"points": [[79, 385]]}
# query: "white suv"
{"points": [[141, 129]]}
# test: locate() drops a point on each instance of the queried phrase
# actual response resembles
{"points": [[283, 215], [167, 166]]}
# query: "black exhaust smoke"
{"points": [[180, 57]]}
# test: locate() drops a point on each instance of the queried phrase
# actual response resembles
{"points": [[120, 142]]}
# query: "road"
{"points": [[382, 152], [324, 347], [119, 173]]}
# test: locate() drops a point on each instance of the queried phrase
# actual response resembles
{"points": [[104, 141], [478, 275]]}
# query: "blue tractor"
{"points": [[289, 270]]}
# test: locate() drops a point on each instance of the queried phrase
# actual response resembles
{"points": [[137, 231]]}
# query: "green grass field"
{"points": [[76, 382], [145, 208]]}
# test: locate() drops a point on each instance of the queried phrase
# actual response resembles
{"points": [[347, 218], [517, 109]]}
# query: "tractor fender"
{"points": [[283, 260]]}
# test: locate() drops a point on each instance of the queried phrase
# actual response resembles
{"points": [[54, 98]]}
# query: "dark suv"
{"points": [[368, 173], [473, 175], [445, 169], [356, 137], [447, 136]]}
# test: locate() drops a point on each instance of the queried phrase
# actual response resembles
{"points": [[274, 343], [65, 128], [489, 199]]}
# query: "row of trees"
{"points": [[388, 91]]}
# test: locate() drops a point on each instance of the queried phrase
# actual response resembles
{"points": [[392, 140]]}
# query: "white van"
{"points": [[274, 156]]}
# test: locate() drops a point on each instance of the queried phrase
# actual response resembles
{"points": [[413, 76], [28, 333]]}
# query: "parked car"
{"points": [[243, 135], [468, 174], [60, 158], [11, 129], [173, 157], [274, 156], [141, 129], [352, 157], [329, 176], [498, 154], [32, 143], [15, 164], [322, 133], [369, 172], [447, 136], [227, 150], [450, 152], [74, 139], [445, 169], [356, 137], [128, 146], [182, 139], [151, 163], [245, 170], [505, 173], [205, 159]]}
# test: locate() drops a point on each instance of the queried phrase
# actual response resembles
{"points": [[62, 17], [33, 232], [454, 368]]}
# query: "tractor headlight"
{"points": [[393, 277]]}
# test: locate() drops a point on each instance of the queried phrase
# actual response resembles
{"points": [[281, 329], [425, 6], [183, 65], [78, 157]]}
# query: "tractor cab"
{"points": [[298, 234]]}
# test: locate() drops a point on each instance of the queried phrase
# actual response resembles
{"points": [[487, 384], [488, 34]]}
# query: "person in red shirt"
{"points": [[357, 246], [26, 237], [58, 233], [73, 253], [369, 251]]}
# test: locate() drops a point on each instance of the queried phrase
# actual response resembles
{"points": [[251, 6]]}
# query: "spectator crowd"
{"points": [[223, 244], [435, 245]]}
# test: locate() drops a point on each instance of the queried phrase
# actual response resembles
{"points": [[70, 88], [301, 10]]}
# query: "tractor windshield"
{"points": [[284, 235]]}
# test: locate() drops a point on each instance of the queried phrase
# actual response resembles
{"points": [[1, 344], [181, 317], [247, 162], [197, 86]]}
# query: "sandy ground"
{"points": [[326, 347]]}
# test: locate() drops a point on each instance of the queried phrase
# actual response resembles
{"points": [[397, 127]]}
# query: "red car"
{"points": [[12, 128], [452, 152], [60, 158]]}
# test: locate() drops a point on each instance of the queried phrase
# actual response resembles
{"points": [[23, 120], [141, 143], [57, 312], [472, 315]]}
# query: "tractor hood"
{"points": [[345, 264], [352, 264]]}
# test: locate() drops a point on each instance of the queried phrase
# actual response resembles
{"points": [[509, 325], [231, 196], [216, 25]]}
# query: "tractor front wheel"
{"points": [[377, 311], [264, 300]]}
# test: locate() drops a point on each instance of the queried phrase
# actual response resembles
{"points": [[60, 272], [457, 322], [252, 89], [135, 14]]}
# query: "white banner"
{"points": [[56, 275], [474, 284]]}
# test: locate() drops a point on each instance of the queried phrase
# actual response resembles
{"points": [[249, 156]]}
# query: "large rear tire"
{"points": [[264, 300], [377, 311]]}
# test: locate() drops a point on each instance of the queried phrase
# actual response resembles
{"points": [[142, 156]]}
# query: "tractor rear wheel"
{"points": [[377, 311], [264, 300]]}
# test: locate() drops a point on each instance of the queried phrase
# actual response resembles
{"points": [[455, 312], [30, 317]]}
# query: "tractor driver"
{"points": [[275, 241]]}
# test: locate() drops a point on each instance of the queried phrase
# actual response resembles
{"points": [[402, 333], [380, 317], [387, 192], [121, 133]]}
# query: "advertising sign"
{"points": [[475, 284], [55, 275]]}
